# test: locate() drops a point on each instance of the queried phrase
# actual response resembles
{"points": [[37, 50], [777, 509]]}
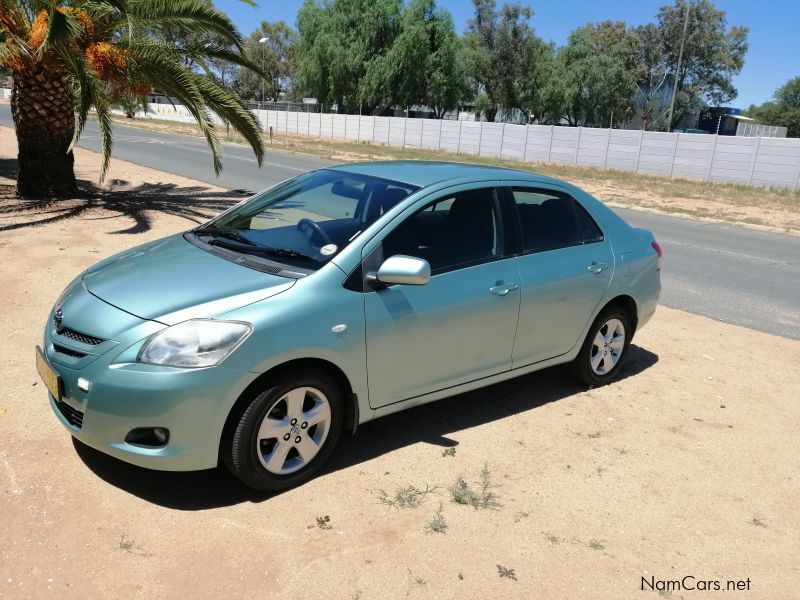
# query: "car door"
{"points": [[459, 326], [565, 267]]}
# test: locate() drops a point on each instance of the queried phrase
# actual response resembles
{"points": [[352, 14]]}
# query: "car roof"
{"points": [[423, 173]]}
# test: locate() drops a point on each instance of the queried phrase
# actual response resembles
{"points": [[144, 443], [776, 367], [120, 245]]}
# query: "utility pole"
{"points": [[263, 41], [678, 70]]}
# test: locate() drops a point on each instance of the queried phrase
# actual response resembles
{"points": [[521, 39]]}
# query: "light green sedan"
{"points": [[334, 298]]}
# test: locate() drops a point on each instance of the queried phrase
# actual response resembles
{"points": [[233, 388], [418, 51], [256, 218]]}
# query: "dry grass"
{"points": [[735, 203]]}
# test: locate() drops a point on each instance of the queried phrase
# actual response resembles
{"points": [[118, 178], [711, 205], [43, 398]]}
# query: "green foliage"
{"points": [[338, 41], [783, 110], [713, 54], [112, 49], [422, 66], [652, 77], [596, 76], [131, 104], [484, 497], [276, 57], [508, 62]]}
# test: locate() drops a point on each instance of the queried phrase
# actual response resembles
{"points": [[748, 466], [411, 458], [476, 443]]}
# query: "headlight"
{"points": [[195, 343]]}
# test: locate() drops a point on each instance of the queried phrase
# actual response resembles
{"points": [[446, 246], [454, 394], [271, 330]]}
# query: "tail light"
{"points": [[658, 250]]}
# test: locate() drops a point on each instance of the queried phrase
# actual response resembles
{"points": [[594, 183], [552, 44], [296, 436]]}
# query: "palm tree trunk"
{"points": [[44, 117]]}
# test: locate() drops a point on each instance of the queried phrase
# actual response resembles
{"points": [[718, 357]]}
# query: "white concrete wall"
{"points": [[764, 161]]}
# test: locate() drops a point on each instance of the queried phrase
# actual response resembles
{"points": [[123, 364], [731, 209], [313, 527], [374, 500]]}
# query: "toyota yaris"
{"points": [[334, 298]]}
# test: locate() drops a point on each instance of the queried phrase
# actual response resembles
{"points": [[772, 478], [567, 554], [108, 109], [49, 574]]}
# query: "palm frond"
{"points": [[188, 15], [62, 27]]}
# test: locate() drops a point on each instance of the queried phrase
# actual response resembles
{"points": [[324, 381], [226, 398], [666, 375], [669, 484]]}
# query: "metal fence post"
{"points": [[674, 152], [639, 151], [550, 144], [480, 137], [525, 147], [389, 133], [458, 147], [578, 149], [502, 138], [711, 160], [755, 160], [608, 143]]}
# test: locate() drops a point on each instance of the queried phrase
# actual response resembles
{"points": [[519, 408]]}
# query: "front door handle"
{"points": [[502, 289], [597, 267]]}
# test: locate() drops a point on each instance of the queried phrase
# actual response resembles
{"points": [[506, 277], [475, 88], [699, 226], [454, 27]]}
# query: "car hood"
{"points": [[171, 280]]}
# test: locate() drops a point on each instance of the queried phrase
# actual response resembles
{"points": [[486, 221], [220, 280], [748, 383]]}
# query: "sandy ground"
{"points": [[687, 466]]}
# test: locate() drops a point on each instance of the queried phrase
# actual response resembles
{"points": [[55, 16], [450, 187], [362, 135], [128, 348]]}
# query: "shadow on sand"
{"points": [[431, 423]]}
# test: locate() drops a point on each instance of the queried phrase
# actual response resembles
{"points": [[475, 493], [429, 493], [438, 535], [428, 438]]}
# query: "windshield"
{"points": [[307, 220]]}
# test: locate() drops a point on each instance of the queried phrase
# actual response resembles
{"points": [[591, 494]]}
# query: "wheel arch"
{"points": [[628, 304], [351, 408]]}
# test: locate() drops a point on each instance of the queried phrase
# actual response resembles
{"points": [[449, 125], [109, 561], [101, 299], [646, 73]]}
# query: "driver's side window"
{"points": [[454, 231]]}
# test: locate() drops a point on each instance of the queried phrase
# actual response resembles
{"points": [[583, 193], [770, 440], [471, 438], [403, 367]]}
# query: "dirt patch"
{"points": [[686, 466]]}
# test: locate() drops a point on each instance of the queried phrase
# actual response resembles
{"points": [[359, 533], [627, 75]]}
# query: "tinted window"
{"points": [[453, 231], [553, 220]]}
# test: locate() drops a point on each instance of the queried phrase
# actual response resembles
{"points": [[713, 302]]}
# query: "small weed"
{"points": [[600, 471], [622, 451], [506, 572], [125, 545], [597, 545], [324, 522], [416, 582], [594, 435], [451, 451], [521, 515], [664, 593], [356, 595], [553, 539], [437, 524], [407, 497], [462, 493], [758, 523], [461, 576]]}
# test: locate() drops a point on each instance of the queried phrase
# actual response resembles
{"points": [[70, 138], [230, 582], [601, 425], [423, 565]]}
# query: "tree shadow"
{"points": [[132, 203], [431, 423]]}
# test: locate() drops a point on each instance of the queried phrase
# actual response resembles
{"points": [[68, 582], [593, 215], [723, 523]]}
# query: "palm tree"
{"points": [[69, 57]]}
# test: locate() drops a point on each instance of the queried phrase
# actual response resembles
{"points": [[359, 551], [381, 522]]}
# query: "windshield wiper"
{"points": [[230, 234], [233, 240]]}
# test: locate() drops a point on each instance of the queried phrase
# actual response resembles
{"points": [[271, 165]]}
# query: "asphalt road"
{"points": [[728, 273]]}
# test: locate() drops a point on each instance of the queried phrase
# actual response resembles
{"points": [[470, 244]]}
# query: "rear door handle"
{"points": [[597, 267], [502, 289]]}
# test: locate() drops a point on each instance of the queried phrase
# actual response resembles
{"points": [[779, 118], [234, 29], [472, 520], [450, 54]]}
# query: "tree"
{"points": [[338, 40], [88, 53], [276, 58], [423, 66], [506, 59], [652, 89], [596, 79], [713, 54], [784, 110]]}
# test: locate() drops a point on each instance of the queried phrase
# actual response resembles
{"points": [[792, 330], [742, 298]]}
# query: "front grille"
{"points": [[68, 351], [80, 337], [73, 416]]}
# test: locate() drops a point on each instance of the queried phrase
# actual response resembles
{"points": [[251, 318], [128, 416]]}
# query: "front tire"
{"points": [[286, 432], [600, 358]]}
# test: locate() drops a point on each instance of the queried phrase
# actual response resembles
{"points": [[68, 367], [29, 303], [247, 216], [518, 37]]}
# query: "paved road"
{"points": [[732, 274]]}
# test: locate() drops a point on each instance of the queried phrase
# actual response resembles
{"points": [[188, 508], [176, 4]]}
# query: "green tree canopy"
{"points": [[423, 66], [506, 59], [783, 110], [276, 59], [595, 77], [713, 53], [338, 41]]}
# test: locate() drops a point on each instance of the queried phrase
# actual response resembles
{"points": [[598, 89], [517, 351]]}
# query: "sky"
{"points": [[772, 59]]}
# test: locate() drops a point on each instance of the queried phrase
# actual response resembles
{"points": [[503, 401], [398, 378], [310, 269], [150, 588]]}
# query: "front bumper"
{"points": [[124, 395]]}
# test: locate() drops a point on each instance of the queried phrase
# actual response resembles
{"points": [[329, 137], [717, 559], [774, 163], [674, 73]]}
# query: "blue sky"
{"points": [[773, 57]]}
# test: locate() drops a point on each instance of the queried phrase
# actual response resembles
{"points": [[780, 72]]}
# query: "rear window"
{"points": [[551, 219]]}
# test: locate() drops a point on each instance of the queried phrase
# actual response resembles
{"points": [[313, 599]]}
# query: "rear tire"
{"points": [[604, 349], [286, 432]]}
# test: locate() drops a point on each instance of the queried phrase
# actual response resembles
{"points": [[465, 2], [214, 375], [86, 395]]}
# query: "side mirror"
{"points": [[404, 270]]}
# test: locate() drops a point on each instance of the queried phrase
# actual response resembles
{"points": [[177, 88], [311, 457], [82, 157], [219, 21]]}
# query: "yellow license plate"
{"points": [[48, 375]]}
